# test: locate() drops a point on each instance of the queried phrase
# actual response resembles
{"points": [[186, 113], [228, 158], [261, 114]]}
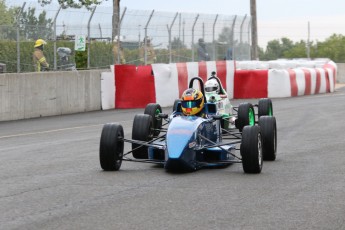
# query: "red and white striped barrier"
{"points": [[172, 79], [135, 87]]}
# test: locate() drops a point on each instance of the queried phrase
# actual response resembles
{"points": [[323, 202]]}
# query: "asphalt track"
{"points": [[50, 177]]}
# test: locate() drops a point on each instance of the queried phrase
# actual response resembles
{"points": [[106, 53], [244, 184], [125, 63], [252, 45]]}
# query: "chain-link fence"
{"points": [[174, 37]]}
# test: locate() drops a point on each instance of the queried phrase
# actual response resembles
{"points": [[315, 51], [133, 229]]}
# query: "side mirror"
{"points": [[163, 115]]}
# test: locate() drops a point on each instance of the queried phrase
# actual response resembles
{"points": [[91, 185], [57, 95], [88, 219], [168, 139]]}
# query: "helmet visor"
{"points": [[211, 89], [191, 104]]}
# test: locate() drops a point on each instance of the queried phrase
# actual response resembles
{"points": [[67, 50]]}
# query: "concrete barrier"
{"points": [[31, 95], [341, 73]]}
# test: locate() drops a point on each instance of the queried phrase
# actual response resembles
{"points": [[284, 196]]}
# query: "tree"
{"points": [[89, 4], [74, 3], [273, 50], [176, 43], [333, 48], [7, 15], [7, 19], [298, 50], [276, 48], [226, 36], [34, 28]]}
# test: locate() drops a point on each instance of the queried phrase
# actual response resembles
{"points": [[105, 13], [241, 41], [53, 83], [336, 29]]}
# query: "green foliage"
{"points": [[32, 27], [7, 15], [102, 55], [225, 35], [81, 59], [298, 50], [74, 4], [7, 19], [176, 43], [332, 48]]}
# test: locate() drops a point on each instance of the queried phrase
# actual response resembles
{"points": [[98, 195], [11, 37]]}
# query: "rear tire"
{"points": [[251, 149], [153, 110], [245, 116], [111, 147], [142, 131], [265, 107], [268, 127]]}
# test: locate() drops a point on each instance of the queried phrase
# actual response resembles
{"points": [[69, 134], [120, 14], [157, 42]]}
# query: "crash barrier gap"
{"points": [[135, 87], [30, 95]]}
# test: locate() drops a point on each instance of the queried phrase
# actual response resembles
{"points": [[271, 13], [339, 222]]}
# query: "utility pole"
{"points": [[254, 47], [308, 41], [116, 18]]}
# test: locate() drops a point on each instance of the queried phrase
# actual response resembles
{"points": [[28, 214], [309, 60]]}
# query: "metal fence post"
{"points": [[57, 13], [18, 38], [249, 44], [88, 38], [196, 19], [241, 31], [232, 38], [145, 38], [169, 31], [213, 35]]}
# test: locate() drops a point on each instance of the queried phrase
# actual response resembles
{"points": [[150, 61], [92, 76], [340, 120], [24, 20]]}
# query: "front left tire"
{"points": [[251, 149]]}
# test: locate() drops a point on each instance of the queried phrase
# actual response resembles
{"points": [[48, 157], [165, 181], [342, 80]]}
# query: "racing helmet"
{"points": [[39, 42], [212, 86], [192, 102]]}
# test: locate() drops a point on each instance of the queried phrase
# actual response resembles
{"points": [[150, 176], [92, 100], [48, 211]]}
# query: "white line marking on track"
{"points": [[53, 130]]}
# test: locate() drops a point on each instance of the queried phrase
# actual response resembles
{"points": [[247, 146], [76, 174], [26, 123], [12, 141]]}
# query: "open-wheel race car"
{"points": [[181, 142]]}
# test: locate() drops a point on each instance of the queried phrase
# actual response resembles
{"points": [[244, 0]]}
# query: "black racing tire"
{"points": [[268, 127], [245, 116], [153, 110], [142, 131], [111, 147], [251, 149], [175, 109], [265, 107]]}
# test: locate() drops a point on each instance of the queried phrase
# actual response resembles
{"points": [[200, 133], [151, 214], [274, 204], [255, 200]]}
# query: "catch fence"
{"points": [[174, 36]]}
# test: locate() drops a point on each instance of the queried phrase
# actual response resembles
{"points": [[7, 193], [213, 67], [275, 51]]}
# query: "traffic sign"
{"points": [[80, 43]]}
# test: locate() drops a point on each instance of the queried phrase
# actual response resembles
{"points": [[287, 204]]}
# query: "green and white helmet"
{"points": [[212, 86]]}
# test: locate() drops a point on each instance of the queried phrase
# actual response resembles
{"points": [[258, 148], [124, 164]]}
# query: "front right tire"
{"points": [[265, 107], [154, 110], [143, 131]]}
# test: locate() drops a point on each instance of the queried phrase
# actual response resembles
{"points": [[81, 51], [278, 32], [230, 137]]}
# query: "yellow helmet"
{"points": [[192, 102], [39, 42]]}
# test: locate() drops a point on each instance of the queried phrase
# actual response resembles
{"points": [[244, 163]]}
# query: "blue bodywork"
{"points": [[189, 145]]}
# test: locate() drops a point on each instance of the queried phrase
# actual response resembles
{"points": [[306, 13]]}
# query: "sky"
{"points": [[276, 18]]}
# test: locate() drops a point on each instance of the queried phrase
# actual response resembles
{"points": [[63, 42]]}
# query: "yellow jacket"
{"points": [[39, 60], [117, 52], [150, 52]]}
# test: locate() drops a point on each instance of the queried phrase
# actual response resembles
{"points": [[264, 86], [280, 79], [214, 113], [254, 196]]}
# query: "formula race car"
{"points": [[188, 143]]}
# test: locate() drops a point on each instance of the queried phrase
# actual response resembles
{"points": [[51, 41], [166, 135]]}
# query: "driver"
{"points": [[212, 87], [192, 103]]}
